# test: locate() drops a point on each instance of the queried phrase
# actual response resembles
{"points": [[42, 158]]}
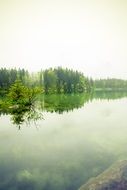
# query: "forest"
{"points": [[58, 80], [110, 84]]}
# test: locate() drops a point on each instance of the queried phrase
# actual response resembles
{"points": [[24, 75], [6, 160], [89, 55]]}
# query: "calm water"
{"points": [[63, 142]]}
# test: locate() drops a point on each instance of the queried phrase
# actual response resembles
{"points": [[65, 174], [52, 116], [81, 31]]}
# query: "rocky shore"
{"points": [[114, 178]]}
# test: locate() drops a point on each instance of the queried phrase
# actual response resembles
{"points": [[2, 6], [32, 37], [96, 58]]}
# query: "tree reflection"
{"points": [[30, 114], [109, 95], [63, 102], [27, 114]]}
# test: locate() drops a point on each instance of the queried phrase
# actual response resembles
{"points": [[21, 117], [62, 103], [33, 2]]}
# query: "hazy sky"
{"points": [[88, 35]]}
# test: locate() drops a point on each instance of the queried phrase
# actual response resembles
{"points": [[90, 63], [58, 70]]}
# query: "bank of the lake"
{"points": [[114, 178]]}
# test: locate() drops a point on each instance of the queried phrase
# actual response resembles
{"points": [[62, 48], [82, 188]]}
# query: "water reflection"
{"points": [[69, 148], [63, 103], [55, 103], [109, 95], [25, 114], [20, 114]]}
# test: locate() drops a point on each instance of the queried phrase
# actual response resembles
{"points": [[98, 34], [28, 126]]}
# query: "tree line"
{"points": [[110, 84], [58, 80], [64, 81], [51, 80]]}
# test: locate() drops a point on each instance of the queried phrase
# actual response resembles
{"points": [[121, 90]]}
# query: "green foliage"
{"points": [[110, 84], [18, 93], [58, 80], [19, 102], [22, 95], [8, 76], [64, 81], [32, 93], [63, 102], [51, 81], [59, 103]]}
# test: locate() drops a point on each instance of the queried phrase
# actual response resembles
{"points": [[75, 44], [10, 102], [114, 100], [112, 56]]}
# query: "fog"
{"points": [[89, 36]]}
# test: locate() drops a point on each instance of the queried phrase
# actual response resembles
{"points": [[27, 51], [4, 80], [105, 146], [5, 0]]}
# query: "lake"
{"points": [[62, 142]]}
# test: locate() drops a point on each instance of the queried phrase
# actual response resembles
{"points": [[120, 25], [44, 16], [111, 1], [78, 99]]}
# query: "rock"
{"points": [[114, 178]]}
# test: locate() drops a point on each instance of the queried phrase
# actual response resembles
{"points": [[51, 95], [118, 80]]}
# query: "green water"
{"points": [[63, 141]]}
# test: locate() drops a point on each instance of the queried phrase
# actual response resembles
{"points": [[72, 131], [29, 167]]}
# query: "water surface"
{"points": [[78, 137]]}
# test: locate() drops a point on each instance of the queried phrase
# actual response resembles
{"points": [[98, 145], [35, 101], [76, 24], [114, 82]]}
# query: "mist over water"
{"points": [[78, 137]]}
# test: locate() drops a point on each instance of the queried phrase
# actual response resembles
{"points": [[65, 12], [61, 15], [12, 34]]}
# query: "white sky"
{"points": [[87, 35]]}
